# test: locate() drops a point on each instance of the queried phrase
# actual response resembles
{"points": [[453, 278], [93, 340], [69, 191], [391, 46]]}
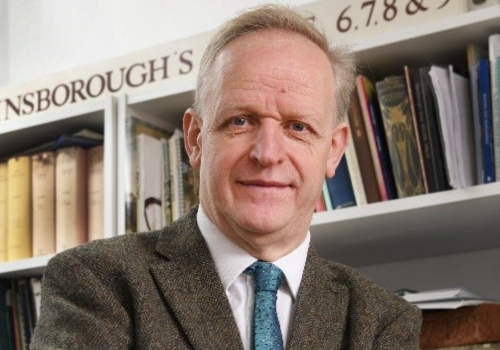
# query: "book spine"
{"points": [[360, 141], [398, 126], [326, 196], [175, 179], [71, 197], [340, 187], [44, 211], [486, 122], [19, 208], [433, 125], [494, 52], [3, 212], [363, 99], [95, 198], [423, 134], [414, 115], [355, 172], [166, 197]]}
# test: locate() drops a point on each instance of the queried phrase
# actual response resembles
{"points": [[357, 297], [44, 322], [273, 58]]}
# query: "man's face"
{"points": [[266, 140]]}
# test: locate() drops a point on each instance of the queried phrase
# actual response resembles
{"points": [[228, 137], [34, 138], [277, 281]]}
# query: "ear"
{"points": [[340, 138], [192, 137]]}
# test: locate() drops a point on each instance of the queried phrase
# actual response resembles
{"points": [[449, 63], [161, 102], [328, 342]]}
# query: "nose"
{"points": [[268, 147]]}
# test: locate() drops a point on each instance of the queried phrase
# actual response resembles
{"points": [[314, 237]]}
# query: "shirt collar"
{"points": [[231, 260]]}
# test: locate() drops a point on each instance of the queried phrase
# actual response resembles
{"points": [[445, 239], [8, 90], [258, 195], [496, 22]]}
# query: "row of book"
{"points": [[427, 130], [51, 197], [162, 185], [19, 312]]}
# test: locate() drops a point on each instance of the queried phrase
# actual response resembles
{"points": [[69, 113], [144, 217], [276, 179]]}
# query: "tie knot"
{"points": [[267, 276]]}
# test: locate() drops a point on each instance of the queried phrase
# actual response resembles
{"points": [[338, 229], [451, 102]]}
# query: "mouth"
{"points": [[265, 183]]}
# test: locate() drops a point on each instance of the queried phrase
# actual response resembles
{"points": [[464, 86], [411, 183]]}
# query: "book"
{"points": [[494, 56], [401, 138], [453, 100], [134, 127], [427, 151], [5, 329], [189, 185], [486, 121], [340, 187], [149, 200], [355, 171], [44, 203], [95, 200], [175, 144], [71, 197], [19, 208], [464, 326], [431, 117], [325, 193], [36, 290], [474, 54], [463, 132], [376, 137], [3, 211], [360, 141], [418, 138], [166, 196]]}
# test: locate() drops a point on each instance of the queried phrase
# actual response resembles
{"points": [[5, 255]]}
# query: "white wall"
{"points": [[4, 40], [44, 37]]}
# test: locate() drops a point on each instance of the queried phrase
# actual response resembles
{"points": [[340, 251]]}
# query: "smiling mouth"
{"points": [[264, 184]]}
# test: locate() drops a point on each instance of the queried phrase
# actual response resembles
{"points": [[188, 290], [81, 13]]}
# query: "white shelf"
{"points": [[429, 225], [25, 267]]}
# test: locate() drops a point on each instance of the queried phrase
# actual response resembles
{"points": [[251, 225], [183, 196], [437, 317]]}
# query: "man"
{"points": [[267, 126]]}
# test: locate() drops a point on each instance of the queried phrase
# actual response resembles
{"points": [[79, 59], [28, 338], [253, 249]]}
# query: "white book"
{"points": [[354, 172], [174, 144], [149, 201]]}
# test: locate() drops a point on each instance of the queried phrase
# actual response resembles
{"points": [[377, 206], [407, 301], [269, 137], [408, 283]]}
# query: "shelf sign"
{"points": [[164, 64], [351, 20]]}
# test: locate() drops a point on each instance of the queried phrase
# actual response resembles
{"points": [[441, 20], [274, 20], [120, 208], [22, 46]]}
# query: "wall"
{"points": [[44, 37], [4, 40]]}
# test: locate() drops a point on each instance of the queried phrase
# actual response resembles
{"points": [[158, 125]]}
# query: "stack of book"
{"points": [[429, 129], [161, 185], [457, 318], [52, 196]]}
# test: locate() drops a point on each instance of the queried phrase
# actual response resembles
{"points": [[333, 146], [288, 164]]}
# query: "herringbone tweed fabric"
{"points": [[160, 290]]}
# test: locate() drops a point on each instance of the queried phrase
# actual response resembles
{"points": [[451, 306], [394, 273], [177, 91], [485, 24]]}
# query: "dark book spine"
{"points": [[427, 152], [486, 120], [362, 147], [432, 116], [340, 187], [382, 149]]}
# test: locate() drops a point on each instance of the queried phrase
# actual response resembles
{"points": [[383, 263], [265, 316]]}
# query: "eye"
{"points": [[239, 121], [298, 127]]}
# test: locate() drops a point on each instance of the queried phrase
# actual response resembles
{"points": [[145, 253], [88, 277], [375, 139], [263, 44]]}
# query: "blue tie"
{"points": [[266, 327]]}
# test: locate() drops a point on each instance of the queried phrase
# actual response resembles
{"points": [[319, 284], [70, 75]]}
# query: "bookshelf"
{"points": [[21, 134], [389, 241]]}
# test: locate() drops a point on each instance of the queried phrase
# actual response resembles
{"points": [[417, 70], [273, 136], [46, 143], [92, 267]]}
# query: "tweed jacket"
{"points": [[161, 290]]}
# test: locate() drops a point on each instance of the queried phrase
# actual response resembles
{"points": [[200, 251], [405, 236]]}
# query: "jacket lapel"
{"points": [[319, 320], [192, 289]]}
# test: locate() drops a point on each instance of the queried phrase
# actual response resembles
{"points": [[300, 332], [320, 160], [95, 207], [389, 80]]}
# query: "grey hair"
{"points": [[280, 17]]}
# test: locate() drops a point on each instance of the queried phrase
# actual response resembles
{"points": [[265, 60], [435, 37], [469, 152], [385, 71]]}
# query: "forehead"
{"points": [[275, 60]]}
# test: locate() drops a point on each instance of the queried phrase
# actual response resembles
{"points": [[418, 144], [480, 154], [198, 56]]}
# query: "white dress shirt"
{"points": [[231, 261]]}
